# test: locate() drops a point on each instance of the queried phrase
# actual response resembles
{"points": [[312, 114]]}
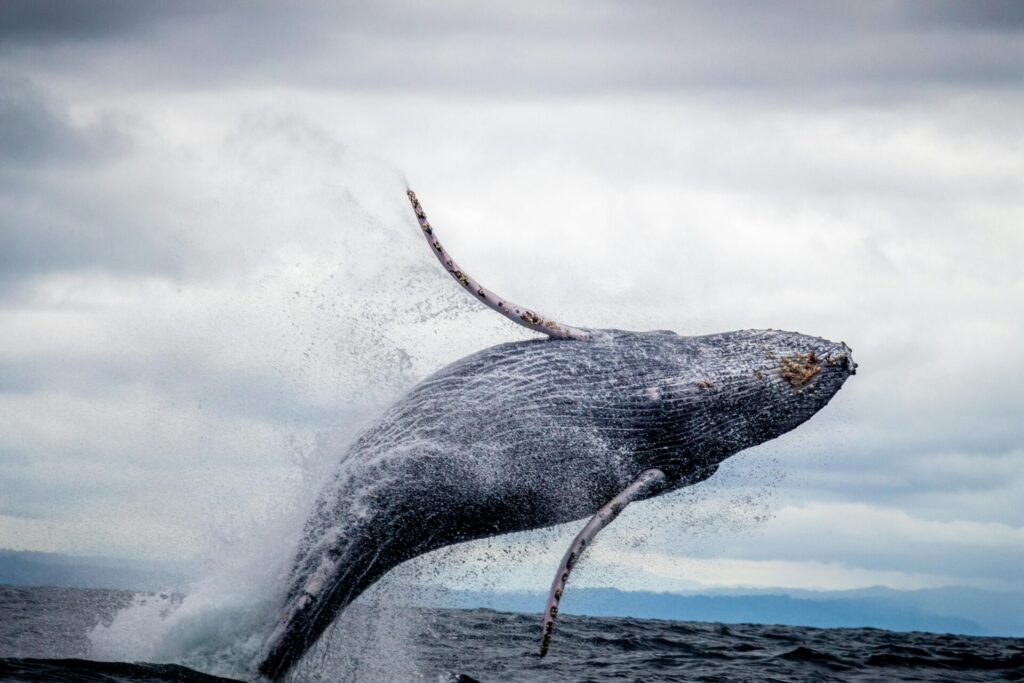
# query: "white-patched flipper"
{"points": [[644, 484], [519, 314]]}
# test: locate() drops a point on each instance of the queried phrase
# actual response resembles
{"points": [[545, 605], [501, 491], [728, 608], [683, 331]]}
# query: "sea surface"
{"points": [[44, 636]]}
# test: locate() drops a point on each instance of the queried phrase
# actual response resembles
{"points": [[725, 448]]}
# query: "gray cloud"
{"points": [[200, 269], [50, 21], [34, 129], [797, 50], [82, 237], [43, 155]]}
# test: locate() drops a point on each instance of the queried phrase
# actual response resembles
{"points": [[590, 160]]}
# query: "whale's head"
{"points": [[702, 399], [684, 404]]}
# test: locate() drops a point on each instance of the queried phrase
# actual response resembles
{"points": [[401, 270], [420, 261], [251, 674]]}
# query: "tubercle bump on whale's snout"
{"points": [[842, 357], [808, 367]]}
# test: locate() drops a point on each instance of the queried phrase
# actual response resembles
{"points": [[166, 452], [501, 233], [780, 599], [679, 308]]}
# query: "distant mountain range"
{"points": [[22, 568], [940, 610]]}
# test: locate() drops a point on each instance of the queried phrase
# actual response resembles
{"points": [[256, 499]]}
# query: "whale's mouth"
{"points": [[842, 358], [851, 365]]}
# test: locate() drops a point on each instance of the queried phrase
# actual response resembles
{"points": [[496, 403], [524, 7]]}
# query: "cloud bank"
{"points": [[209, 278]]}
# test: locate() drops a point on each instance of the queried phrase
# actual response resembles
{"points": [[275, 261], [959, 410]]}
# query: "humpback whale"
{"points": [[535, 433]]}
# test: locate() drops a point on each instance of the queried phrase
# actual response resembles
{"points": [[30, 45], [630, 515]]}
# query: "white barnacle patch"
{"points": [[318, 579], [653, 394]]}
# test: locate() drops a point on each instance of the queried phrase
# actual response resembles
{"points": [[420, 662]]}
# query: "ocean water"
{"points": [[45, 636]]}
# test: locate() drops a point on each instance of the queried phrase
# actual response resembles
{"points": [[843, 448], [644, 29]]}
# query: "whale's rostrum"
{"points": [[535, 433]]}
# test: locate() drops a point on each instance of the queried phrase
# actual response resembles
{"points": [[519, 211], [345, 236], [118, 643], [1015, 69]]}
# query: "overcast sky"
{"points": [[210, 277]]}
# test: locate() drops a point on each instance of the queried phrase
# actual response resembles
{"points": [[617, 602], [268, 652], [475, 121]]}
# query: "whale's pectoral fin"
{"points": [[649, 480], [519, 314]]}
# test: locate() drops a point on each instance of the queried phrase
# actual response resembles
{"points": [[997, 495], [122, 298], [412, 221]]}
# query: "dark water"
{"points": [[43, 637]]}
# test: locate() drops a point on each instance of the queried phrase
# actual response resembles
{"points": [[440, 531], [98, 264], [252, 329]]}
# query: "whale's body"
{"points": [[530, 434]]}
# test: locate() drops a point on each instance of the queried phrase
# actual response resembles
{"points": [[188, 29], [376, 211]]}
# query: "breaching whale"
{"points": [[535, 433]]}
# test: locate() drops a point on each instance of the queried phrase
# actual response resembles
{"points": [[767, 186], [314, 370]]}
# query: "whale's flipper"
{"points": [[514, 312], [645, 483]]}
